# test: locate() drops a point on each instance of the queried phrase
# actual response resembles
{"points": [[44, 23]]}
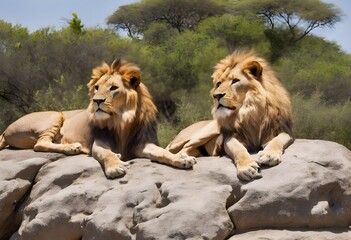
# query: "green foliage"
{"points": [[192, 108], [182, 62], [237, 31], [158, 33], [76, 24], [299, 17], [317, 65], [53, 98], [180, 15], [314, 119], [166, 132]]}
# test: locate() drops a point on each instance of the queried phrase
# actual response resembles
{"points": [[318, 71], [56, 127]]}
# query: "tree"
{"points": [[14, 70], [128, 18], [179, 14], [300, 17]]}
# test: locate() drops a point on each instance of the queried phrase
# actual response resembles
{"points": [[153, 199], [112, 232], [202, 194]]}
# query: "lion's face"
{"points": [[109, 96], [113, 91], [232, 85]]}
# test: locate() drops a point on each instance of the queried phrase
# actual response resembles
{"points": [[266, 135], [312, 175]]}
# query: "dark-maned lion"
{"points": [[119, 124]]}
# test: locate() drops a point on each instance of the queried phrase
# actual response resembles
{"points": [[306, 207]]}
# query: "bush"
{"points": [[191, 107], [317, 66], [314, 119], [53, 99]]}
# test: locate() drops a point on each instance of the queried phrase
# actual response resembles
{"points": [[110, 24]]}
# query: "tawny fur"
{"points": [[119, 124], [266, 109], [251, 110]]}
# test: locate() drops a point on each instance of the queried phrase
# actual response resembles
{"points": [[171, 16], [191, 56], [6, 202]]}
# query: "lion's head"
{"points": [[249, 101], [118, 97]]}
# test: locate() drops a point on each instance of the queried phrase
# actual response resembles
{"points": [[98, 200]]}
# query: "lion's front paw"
{"points": [[248, 171], [73, 149], [184, 161], [269, 157], [115, 169], [114, 172]]}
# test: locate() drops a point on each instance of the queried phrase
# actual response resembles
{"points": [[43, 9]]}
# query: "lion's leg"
{"points": [[158, 154], [200, 134], [272, 153], [211, 147], [45, 144], [113, 165], [247, 168], [37, 131], [194, 152]]}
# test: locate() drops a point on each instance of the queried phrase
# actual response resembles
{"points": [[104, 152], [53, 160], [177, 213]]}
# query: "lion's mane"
{"points": [[265, 112], [137, 123]]}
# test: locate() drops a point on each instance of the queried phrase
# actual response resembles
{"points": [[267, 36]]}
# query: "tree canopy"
{"points": [[300, 17], [179, 14]]}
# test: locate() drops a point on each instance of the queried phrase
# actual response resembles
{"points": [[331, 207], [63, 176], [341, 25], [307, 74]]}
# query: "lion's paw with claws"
{"points": [[269, 157], [184, 161], [116, 169], [72, 149], [248, 171]]}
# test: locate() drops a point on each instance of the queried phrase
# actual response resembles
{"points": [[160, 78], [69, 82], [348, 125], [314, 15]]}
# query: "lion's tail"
{"points": [[3, 144]]}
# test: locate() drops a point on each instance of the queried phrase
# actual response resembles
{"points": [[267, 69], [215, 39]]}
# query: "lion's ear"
{"points": [[254, 68], [130, 74], [135, 79]]}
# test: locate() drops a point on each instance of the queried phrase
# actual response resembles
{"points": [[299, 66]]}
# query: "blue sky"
{"points": [[35, 14]]}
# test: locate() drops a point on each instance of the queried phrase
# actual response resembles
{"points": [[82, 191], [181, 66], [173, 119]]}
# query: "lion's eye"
{"points": [[218, 84], [113, 88], [96, 87], [235, 80]]}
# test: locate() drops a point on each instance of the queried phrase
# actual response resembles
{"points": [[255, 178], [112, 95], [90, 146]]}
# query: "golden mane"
{"points": [[138, 119], [139, 100], [266, 110], [251, 111]]}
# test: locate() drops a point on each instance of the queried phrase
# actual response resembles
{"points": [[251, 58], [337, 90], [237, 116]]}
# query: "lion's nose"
{"points": [[218, 96], [98, 101]]}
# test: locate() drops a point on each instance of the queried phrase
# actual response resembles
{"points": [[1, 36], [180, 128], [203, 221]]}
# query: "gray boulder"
{"points": [[53, 196]]}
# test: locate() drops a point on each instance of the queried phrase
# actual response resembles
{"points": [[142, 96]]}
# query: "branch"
{"points": [[269, 15], [310, 27]]}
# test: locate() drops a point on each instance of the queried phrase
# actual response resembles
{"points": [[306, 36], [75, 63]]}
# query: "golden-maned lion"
{"points": [[252, 111], [119, 124]]}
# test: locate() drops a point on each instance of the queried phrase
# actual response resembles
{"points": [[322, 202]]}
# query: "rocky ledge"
{"points": [[53, 196]]}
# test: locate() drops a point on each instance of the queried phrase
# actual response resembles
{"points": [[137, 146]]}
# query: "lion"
{"points": [[118, 125], [251, 111]]}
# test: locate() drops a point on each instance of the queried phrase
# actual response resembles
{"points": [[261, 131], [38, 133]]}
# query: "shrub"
{"points": [[314, 119]]}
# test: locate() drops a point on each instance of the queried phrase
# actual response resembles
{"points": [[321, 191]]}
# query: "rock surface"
{"points": [[53, 196]]}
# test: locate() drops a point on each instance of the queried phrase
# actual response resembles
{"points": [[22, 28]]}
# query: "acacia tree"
{"points": [[300, 17], [179, 14], [129, 18]]}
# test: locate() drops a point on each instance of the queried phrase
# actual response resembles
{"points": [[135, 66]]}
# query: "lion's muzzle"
{"points": [[218, 96], [98, 101]]}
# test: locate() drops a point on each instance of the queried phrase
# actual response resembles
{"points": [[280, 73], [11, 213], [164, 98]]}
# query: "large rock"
{"points": [[53, 196]]}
